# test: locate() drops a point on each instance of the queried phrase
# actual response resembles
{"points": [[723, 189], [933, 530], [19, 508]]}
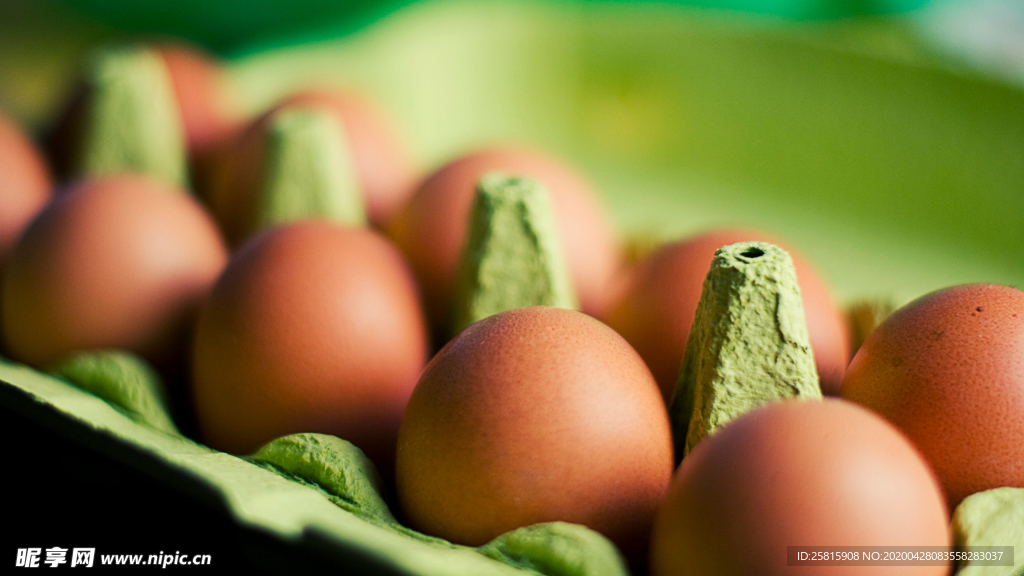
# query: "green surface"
{"points": [[227, 24], [125, 381], [748, 346], [308, 172], [513, 256], [131, 119], [292, 488], [327, 462], [992, 518], [556, 548]]}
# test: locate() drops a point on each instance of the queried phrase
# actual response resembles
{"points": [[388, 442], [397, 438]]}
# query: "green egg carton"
{"points": [[894, 171], [308, 490]]}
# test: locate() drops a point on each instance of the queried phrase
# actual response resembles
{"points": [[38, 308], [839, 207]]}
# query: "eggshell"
{"points": [[532, 415], [431, 229], [948, 370], [657, 306], [385, 171], [209, 111], [312, 328], [118, 262], [25, 185], [797, 473]]}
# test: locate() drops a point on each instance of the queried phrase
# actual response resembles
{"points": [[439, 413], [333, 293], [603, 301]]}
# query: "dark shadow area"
{"points": [[64, 491]]}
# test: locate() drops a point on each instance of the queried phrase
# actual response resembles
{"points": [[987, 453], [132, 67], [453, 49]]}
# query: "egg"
{"points": [[312, 328], [659, 300], [532, 415], [384, 168], [118, 262], [209, 109], [797, 473], [431, 228], [948, 370], [25, 185]]}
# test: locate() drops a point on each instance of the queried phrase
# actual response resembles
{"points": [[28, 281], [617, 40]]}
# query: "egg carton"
{"points": [[836, 146], [309, 490]]}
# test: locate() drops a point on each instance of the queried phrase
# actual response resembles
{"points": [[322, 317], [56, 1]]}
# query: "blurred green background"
{"points": [[227, 25], [885, 140]]}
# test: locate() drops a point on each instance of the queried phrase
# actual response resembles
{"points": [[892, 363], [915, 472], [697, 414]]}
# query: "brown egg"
{"points": [[312, 328], [208, 109], [25, 185], [532, 415], [384, 168], [118, 262], [431, 228], [948, 370], [657, 308], [797, 474]]}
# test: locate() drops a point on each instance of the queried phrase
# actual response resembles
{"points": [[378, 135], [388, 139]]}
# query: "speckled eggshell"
{"points": [[312, 328], [948, 370], [431, 228], [657, 306], [797, 473], [532, 415], [25, 185], [118, 262]]}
